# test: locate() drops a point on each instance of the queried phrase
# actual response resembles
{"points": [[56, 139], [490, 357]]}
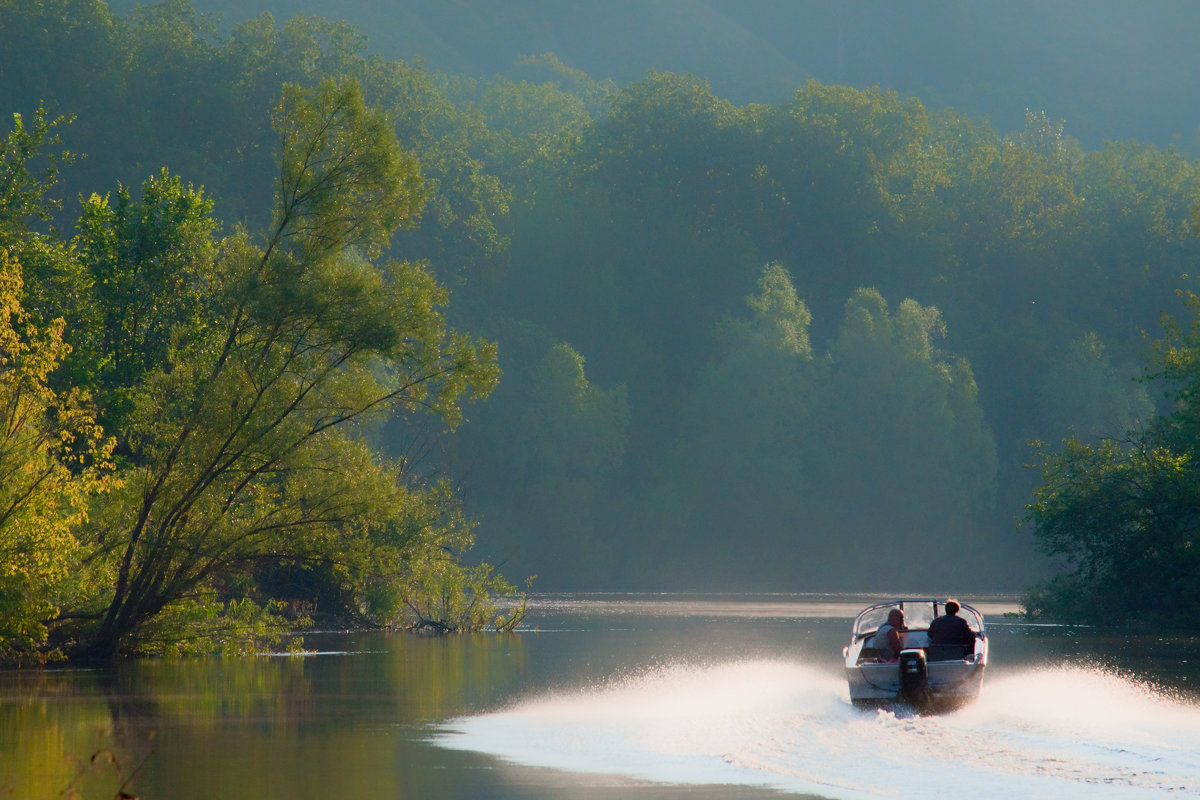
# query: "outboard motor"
{"points": [[914, 677]]}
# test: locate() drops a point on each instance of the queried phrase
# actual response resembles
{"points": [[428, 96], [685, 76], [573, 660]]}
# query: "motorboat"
{"points": [[924, 677]]}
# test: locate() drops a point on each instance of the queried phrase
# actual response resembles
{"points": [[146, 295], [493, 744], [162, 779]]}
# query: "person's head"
{"points": [[952, 607], [896, 618]]}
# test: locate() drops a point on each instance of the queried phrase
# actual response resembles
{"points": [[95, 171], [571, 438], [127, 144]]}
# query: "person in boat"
{"points": [[950, 635], [888, 642]]}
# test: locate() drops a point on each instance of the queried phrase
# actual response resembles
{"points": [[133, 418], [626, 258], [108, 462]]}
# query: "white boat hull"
{"points": [[951, 683]]}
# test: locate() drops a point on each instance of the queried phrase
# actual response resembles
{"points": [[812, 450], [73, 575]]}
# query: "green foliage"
{"points": [[551, 440], [55, 285], [237, 439], [532, 126], [147, 264], [343, 182], [547, 68], [1122, 516], [1121, 513], [451, 598], [24, 188], [781, 317], [883, 434], [903, 433], [1084, 395], [627, 221], [741, 437], [240, 378], [362, 567], [576, 426], [164, 81], [203, 624], [53, 460], [49, 39]]}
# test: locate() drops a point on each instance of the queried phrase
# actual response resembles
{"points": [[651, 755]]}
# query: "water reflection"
{"points": [[250, 727], [51, 724]]}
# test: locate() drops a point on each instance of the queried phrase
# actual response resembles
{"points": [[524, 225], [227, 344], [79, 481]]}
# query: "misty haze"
{"points": [[562, 316]]}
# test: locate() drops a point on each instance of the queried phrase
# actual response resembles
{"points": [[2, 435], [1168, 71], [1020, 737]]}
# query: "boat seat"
{"points": [[868, 654], [946, 652]]}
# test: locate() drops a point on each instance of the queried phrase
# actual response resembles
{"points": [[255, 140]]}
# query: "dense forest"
{"points": [[1115, 69], [256, 273]]}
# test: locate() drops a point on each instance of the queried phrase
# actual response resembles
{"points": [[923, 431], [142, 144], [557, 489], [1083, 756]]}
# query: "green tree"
{"points": [[556, 441], [246, 445], [1122, 513], [532, 126], [53, 460], [54, 286], [739, 460], [29, 171], [147, 262], [903, 454], [1085, 396], [61, 52]]}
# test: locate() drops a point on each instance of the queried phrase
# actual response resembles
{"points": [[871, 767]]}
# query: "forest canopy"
{"points": [[205, 459], [744, 346]]}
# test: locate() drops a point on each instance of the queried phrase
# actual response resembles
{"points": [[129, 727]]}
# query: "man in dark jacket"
{"points": [[950, 636]]}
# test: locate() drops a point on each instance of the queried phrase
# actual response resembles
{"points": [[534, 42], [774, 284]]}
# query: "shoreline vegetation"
{"points": [[231, 410], [239, 375]]}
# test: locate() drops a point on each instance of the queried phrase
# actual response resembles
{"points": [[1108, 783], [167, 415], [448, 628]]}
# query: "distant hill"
{"points": [[1113, 69]]}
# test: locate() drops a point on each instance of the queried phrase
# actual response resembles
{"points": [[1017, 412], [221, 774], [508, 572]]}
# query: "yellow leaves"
{"points": [[53, 458]]}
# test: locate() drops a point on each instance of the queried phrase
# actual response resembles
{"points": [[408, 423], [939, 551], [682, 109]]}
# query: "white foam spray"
{"points": [[1063, 733]]}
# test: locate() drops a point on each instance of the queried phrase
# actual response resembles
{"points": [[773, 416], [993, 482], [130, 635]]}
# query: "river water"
{"points": [[608, 697]]}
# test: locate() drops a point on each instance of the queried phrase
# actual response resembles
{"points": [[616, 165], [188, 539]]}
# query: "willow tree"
{"points": [[247, 443]]}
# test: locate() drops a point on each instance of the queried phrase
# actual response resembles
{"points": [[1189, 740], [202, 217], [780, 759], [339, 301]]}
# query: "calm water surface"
{"points": [[612, 697]]}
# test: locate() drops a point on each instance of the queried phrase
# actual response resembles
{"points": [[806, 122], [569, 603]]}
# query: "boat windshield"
{"points": [[917, 615]]}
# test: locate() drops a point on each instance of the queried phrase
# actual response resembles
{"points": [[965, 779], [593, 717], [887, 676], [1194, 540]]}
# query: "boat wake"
{"points": [[1055, 733]]}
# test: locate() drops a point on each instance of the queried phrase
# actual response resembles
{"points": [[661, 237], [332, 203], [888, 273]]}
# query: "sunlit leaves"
{"points": [[28, 171], [149, 263], [245, 441], [53, 459], [780, 315], [344, 180]]}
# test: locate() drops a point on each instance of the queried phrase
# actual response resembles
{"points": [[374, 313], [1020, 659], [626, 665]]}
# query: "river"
{"points": [[605, 697]]}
